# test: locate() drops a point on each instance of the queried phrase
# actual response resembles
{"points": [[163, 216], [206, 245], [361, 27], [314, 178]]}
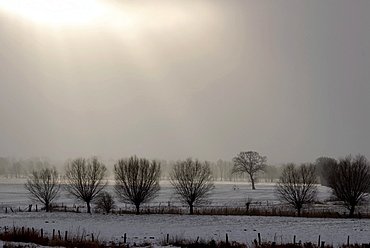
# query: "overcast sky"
{"points": [[174, 79]]}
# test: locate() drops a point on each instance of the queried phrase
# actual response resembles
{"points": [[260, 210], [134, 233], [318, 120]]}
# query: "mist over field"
{"points": [[174, 79]]}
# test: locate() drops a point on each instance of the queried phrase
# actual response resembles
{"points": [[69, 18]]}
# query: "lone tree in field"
{"points": [[85, 179], [297, 186], [349, 180], [192, 181], [105, 202], [137, 180], [250, 163], [44, 186]]}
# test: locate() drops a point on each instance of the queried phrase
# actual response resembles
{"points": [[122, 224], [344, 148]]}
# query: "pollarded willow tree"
{"points": [[137, 180], [349, 180], [297, 186], [85, 179], [251, 163], [44, 186], [192, 180]]}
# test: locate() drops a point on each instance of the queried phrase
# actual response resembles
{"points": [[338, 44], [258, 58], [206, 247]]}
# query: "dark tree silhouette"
{"points": [[105, 202], [349, 180], [137, 180], [249, 162], [321, 164], [44, 186], [192, 181], [85, 179], [297, 186]]}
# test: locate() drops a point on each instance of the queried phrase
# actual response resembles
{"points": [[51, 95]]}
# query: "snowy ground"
{"points": [[154, 228]]}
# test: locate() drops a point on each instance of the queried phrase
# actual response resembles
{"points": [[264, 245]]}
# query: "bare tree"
{"points": [[192, 181], [105, 202], [249, 162], [44, 186], [297, 185], [137, 180], [85, 179], [349, 180]]}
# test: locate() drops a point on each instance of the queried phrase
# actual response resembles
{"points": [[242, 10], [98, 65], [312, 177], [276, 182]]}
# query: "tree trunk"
{"points": [[47, 207], [299, 212], [88, 207], [252, 180], [191, 209], [137, 209], [352, 211]]}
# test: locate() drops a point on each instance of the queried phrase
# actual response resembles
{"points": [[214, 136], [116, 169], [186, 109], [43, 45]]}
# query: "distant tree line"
{"points": [[21, 168], [222, 170]]}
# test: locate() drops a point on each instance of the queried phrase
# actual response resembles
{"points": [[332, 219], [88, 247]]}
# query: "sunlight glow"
{"points": [[56, 11]]}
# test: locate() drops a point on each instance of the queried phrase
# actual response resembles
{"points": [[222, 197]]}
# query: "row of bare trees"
{"points": [[136, 182]]}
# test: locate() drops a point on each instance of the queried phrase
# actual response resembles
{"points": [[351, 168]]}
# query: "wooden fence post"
{"points": [[348, 241], [227, 239], [92, 237], [42, 233], [294, 239], [168, 237], [66, 236], [318, 242], [53, 234], [124, 238], [259, 238]]}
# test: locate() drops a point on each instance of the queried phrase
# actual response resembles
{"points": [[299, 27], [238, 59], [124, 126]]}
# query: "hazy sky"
{"points": [[172, 78]]}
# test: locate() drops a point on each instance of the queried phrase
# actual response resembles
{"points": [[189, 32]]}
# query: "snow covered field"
{"points": [[154, 228], [14, 194]]}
